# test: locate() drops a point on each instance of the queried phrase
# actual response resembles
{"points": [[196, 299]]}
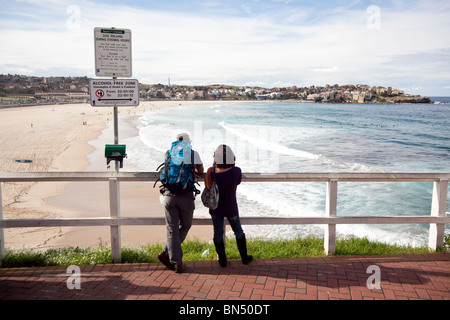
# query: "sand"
{"points": [[56, 138]]}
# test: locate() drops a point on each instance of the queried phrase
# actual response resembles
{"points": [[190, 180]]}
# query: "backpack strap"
{"points": [[180, 173], [213, 174]]}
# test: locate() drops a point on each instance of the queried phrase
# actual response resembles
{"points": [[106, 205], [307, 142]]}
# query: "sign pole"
{"points": [[116, 129], [113, 59], [114, 198], [116, 132]]}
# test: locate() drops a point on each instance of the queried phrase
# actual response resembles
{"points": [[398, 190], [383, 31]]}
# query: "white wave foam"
{"points": [[258, 136], [253, 137]]}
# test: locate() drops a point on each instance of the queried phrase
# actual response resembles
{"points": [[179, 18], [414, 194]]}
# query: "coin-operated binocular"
{"points": [[115, 152]]}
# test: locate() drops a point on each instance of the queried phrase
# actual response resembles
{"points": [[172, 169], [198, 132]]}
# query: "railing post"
{"points": [[438, 208], [2, 235], [330, 229], [114, 205]]}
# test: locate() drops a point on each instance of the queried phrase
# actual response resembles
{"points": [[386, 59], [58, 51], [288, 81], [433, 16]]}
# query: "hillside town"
{"points": [[21, 89]]}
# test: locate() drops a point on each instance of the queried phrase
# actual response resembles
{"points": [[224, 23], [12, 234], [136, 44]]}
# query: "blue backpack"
{"points": [[178, 170]]}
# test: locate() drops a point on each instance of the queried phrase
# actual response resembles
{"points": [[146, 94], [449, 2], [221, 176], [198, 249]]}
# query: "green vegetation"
{"points": [[447, 241], [193, 249]]}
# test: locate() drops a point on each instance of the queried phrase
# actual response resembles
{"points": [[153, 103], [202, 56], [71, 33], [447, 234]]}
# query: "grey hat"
{"points": [[224, 155], [184, 136]]}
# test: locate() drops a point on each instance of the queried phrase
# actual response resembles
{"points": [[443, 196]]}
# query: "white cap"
{"points": [[184, 137], [219, 155]]}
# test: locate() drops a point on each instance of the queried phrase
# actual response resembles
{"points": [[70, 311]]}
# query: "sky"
{"points": [[268, 43]]}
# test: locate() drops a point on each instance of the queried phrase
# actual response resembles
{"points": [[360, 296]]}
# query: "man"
{"points": [[179, 210]]}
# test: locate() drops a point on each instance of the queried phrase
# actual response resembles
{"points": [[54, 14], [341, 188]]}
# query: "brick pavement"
{"points": [[403, 277]]}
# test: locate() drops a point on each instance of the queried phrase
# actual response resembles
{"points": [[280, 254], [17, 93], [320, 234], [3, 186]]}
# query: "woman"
{"points": [[227, 177]]}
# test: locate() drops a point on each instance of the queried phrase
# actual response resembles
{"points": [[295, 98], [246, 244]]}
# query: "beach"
{"points": [[58, 138], [269, 136]]}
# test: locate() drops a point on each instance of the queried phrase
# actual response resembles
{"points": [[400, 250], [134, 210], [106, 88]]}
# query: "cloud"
{"points": [[259, 42], [332, 69]]}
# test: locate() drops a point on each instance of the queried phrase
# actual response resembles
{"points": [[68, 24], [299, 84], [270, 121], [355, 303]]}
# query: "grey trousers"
{"points": [[179, 212]]}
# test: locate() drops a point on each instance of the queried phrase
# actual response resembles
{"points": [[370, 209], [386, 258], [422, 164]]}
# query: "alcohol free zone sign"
{"points": [[114, 92]]}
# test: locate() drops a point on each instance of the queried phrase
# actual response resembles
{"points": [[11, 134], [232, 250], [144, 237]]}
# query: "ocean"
{"points": [[278, 136]]}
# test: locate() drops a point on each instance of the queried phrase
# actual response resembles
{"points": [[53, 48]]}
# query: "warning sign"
{"points": [[114, 92]]}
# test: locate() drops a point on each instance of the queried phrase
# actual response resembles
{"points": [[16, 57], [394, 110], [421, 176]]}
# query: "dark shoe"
{"points": [[242, 247], [165, 260], [220, 249], [178, 268], [247, 260]]}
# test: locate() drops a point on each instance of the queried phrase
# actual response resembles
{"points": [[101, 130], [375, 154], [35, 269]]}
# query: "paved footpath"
{"points": [[419, 276]]}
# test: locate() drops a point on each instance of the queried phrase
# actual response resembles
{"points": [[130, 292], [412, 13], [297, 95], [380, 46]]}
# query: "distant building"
{"points": [[381, 91]]}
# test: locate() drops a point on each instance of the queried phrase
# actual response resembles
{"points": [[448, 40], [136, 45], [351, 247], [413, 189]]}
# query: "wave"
{"points": [[248, 134], [157, 137], [267, 145], [299, 145]]}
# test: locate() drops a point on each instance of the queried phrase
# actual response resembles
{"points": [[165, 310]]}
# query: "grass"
{"points": [[193, 250]]}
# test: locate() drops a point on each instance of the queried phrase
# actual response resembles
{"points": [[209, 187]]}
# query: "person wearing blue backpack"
{"points": [[177, 176]]}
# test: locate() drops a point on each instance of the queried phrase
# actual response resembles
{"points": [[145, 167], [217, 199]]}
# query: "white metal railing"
{"points": [[437, 219]]}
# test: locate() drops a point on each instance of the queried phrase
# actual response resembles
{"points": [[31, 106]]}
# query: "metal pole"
{"points": [[116, 132], [114, 199]]}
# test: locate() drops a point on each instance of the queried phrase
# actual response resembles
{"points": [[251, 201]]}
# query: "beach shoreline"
{"points": [[71, 138]]}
